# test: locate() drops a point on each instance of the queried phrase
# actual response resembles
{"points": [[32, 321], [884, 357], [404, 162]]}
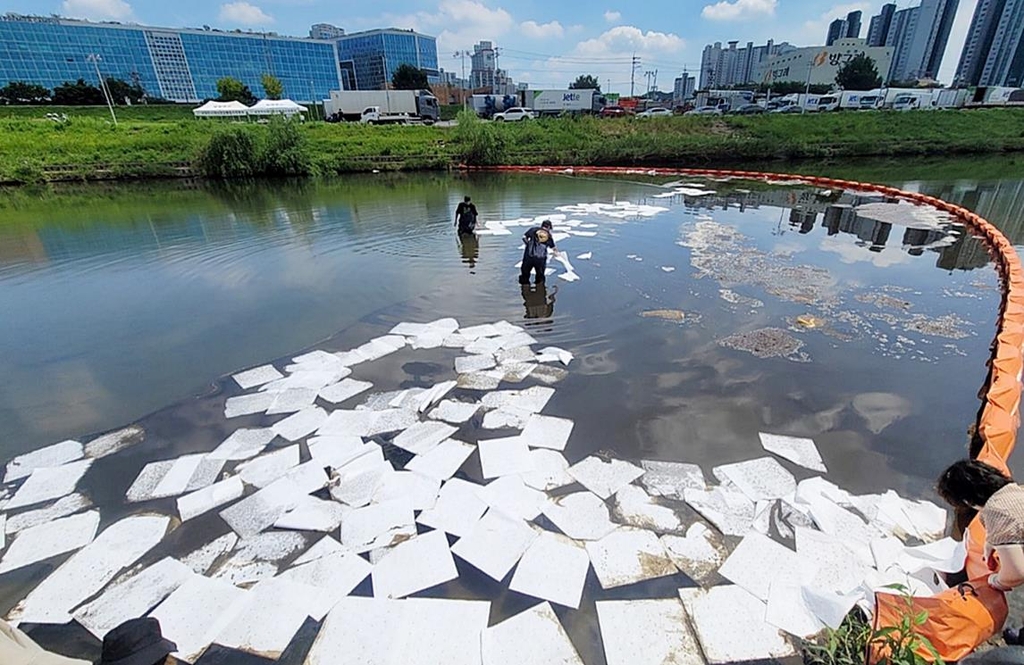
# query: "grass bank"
{"points": [[165, 141]]}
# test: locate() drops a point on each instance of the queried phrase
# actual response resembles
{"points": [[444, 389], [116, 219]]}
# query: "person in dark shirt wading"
{"points": [[535, 254], [465, 217]]}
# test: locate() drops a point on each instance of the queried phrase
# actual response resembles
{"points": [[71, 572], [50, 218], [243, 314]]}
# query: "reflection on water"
{"points": [[538, 301]]}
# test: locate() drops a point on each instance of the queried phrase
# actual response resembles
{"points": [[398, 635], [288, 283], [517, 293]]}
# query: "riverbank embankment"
{"points": [[163, 142]]}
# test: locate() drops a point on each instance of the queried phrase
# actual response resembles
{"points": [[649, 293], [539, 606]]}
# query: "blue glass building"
{"points": [[370, 58], [178, 65]]}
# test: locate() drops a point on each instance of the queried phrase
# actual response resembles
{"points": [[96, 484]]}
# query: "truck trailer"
{"points": [[559, 102], [382, 106]]}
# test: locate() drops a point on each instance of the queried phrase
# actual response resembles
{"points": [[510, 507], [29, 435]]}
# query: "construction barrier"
{"points": [[998, 418]]}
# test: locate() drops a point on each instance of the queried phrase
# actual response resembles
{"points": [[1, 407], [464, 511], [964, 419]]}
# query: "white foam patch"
{"points": [[376, 525], [48, 483], [64, 506], [547, 644], [550, 470], [627, 556], [132, 596], [552, 568], [420, 631], [797, 450], [758, 562], [699, 553], [418, 563], [671, 479], [547, 432], [647, 632], [423, 437], [730, 511], [256, 376], [760, 479], [57, 454], [208, 498], [91, 568], [457, 510], [336, 393], [195, 612], [271, 614], [718, 613], [301, 424], [243, 444], [51, 539], [504, 456], [246, 405], [604, 478]]}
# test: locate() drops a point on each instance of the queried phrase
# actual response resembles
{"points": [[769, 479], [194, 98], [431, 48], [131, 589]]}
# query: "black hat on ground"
{"points": [[136, 642]]}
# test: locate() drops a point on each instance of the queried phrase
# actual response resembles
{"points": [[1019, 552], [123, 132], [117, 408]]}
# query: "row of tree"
{"points": [[78, 93]]}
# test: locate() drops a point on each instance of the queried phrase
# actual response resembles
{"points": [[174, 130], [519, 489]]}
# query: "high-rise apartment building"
{"points": [[181, 65], [853, 22], [734, 65], [918, 37], [485, 72], [325, 31], [369, 59], [879, 26], [684, 88], [994, 50], [836, 31]]}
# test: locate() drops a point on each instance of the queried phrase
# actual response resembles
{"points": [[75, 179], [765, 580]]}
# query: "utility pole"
{"points": [[647, 75], [387, 95], [655, 80], [497, 70], [462, 54], [632, 73], [95, 58]]}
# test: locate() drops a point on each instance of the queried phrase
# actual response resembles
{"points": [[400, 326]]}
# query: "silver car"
{"points": [[513, 114]]}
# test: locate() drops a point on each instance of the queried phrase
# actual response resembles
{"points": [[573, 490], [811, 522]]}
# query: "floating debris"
{"points": [[949, 325], [627, 556], [51, 539], [715, 615], [810, 321], [416, 564], [796, 450], [764, 343], [636, 632], [553, 568], [604, 477], [44, 484], [664, 314], [731, 296], [57, 454], [495, 544], [699, 554], [503, 644]]}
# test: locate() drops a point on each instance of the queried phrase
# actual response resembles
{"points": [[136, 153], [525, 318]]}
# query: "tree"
{"points": [[79, 93], [20, 92], [121, 92], [585, 82], [233, 90], [272, 87], [407, 77], [859, 73]]}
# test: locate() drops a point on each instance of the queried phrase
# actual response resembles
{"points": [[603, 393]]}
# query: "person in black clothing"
{"points": [[535, 254], [465, 217]]}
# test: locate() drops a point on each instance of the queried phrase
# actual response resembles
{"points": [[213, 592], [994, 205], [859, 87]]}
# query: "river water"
{"points": [[121, 301]]}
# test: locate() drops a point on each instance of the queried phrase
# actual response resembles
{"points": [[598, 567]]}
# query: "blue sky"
{"points": [[544, 43]]}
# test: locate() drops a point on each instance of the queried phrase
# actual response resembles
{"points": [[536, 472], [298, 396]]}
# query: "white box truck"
{"points": [[558, 102], [382, 106]]}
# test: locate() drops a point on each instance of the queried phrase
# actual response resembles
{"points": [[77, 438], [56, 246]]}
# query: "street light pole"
{"points": [[462, 54], [807, 87], [387, 94], [94, 58]]}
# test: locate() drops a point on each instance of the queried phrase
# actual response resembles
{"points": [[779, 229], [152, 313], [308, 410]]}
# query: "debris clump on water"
{"points": [[766, 343]]}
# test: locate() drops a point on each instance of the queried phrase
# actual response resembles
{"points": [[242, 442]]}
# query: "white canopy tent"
{"points": [[277, 107], [221, 110]]}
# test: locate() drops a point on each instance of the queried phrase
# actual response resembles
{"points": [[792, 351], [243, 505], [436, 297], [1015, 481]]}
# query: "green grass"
{"points": [[155, 140]]}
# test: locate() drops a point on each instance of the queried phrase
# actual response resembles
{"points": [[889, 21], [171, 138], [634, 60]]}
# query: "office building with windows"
{"points": [[325, 31], [180, 65], [878, 28], [994, 50], [369, 59]]}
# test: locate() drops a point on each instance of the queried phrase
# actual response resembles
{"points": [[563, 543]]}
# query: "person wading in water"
{"points": [[465, 217], [535, 254]]}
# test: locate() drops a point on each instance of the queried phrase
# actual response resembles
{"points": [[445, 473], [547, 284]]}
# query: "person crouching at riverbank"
{"points": [[970, 484]]}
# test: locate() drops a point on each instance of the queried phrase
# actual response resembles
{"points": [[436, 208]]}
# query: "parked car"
{"points": [[749, 109], [513, 114], [614, 112], [705, 110], [789, 108], [654, 113]]}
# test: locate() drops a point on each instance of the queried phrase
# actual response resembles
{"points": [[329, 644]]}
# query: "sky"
{"points": [[546, 44]]}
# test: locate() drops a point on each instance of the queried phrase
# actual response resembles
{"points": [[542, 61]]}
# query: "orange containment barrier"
{"points": [[955, 622]]}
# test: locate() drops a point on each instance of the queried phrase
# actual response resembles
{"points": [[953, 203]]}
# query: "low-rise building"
{"points": [[818, 65]]}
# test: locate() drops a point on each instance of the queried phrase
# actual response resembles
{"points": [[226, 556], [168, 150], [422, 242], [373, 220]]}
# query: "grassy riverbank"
{"points": [[164, 141]]}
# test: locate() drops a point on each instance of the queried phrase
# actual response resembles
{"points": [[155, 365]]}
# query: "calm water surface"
{"points": [[127, 300]]}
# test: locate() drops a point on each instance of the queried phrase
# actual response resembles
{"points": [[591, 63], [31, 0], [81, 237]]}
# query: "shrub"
{"points": [[478, 142], [231, 152], [284, 150]]}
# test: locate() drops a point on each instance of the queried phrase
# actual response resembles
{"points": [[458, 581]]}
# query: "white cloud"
{"points": [[458, 24], [97, 10], [739, 10], [534, 30], [612, 16], [242, 13], [627, 39]]}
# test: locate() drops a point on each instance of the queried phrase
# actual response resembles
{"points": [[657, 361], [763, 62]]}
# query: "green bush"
{"points": [[231, 152], [478, 142], [284, 150]]}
